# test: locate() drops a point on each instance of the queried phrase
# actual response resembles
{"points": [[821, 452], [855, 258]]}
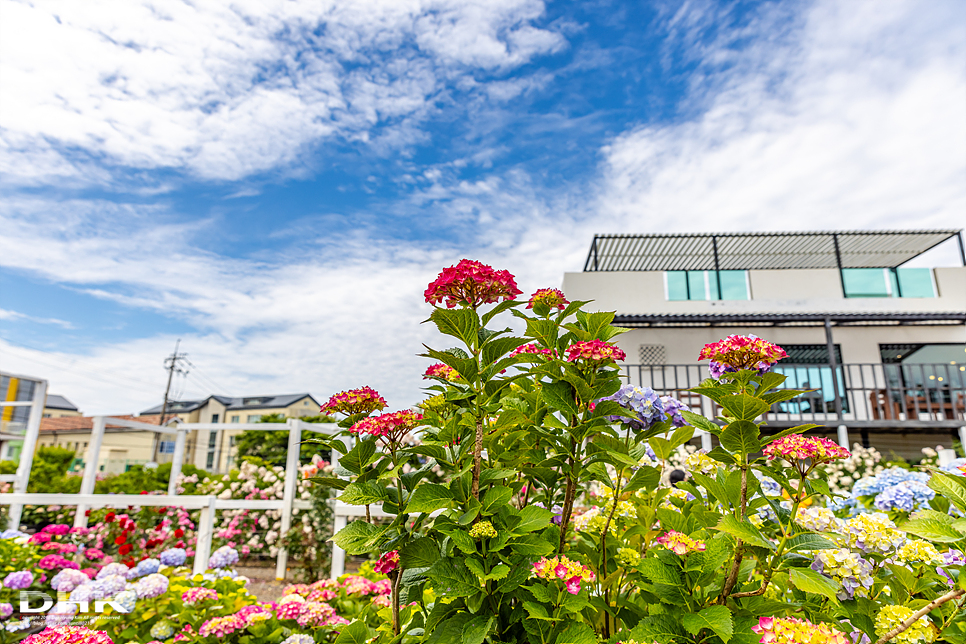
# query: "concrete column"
{"points": [[844, 437], [90, 468], [177, 461]]}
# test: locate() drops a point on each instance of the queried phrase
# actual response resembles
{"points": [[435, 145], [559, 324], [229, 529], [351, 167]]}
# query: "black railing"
{"points": [[883, 394]]}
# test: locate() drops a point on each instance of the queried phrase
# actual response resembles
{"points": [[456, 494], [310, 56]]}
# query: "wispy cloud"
{"points": [[14, 316]]}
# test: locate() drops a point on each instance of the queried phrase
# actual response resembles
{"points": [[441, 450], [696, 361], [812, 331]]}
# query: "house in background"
{"points": [[882, 345], [214, 451], [121, 448], [59, 407]]}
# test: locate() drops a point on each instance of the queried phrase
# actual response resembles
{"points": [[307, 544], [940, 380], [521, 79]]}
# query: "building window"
{"points": [[210, 463], [254, 418], [166, 447], [807, 367], [652, 354], [236, 419], [214, 418], [888, 282], [703, 285]]}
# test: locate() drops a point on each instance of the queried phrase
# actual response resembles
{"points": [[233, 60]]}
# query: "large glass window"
{"points": [[703, 285], [807, 367], [888, 282]]}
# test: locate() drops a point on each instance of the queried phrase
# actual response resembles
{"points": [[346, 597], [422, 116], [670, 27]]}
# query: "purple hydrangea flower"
{"points": [[6, 610], [112, 569], [174, 557], [645, 403], [84, 593], [61, 614], [906, 496], [673, 408], [223, 557], [68, 579], [19, 580]]}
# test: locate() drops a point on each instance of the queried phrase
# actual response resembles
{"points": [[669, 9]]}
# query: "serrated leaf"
{"points": [[463, 541], [359, 456], [700, 422], [745, 531], [809, 541], [495, 498], [577, 633], [419, 553], [533, 518], [932, 530], [560, 396], [353, 633], [475, 630], [948, 486], [715, 618], [741, 437], [812, 582], [358, 537], [429, 497], [540, 592], [458, 322], [536, 611], [499, 572], [532, 545], [659, 573], [744, 407], [364, 493], [451, 578]]}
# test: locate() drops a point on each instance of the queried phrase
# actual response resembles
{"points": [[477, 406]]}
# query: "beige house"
{"points": [[59, 407], [883, 345], [214, 451], [121, 447]]}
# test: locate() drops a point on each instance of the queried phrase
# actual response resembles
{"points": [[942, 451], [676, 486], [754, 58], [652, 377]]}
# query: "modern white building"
{"points": [[883, 345]]}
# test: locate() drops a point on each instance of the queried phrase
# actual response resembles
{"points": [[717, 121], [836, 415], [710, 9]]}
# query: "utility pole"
{"points": [[173, 364]]}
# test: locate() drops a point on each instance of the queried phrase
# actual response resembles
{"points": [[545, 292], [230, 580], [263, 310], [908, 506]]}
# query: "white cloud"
{"points": [[223, 91], [15, 316], [853, 121]]}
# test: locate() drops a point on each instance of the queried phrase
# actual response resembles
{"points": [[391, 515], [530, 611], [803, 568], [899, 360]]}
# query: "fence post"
{"points": [[706, 441], [177, 461], [291, 479], [962, 439], [90, 468], [844, 436], [206, 529], [27, 451], [338, 554]]}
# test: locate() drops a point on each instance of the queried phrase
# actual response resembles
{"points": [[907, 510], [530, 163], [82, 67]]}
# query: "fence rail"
{"points": [[910, 395]]}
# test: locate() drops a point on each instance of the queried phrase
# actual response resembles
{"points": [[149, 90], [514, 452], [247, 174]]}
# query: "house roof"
{"points": [[75, 423], [234, 403], [59, 402], [788, 319], [751, 251]]}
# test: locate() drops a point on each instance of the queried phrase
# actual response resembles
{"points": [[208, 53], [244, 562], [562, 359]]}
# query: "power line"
{"points": [[199, 374]]}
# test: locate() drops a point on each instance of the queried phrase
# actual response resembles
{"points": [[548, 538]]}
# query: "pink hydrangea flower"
{"points": [[550, 297], [387, 563], [743, 352], [594, 351], [440, 370], [533, 348], [364, 400], [393, 426], [57, 529], [69, 635], [197, 594], [222, 626], [796, 447], [680, 544], [471, 284]]}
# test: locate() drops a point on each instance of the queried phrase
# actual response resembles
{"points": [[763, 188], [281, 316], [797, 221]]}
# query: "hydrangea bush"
{"points": [[558, 523]]}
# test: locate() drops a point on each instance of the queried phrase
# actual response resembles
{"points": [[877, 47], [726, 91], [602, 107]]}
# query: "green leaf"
{"points": [[475, 630], [741, 437], [950, 486], [745, 531], [499, 571], [812, 582], [495, 498], [744, 407], [536, 611], [364, 493], [429, 497], [459, 323], [770, 380], [700, 422], [354, 633], [560, 396], [715, 618], [488, 476], [809, 541], [451, 578], [358, 537], [577, 633], [932, 530], [496, 349], [540, 592], [463, 541], [659, 573], [783, 394], [419, 553], [499, 308], [532, 545], [359, 456], [533, 518], [661, 447]]}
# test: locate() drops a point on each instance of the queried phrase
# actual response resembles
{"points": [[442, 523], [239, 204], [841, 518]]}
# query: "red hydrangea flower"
{"points": [[393, 425], [387, 563], [364, 400], [551, 297], [533, 347], [796, 447], [594, 351], [743, 352], [471, 283], [440, 370]]}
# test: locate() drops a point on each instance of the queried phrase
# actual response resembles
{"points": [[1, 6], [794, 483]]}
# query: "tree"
{"points": [[272, 447]]}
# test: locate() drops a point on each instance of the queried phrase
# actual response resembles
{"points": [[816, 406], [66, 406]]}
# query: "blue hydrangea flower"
{"points": [[173, 557], [645, 403], [905, 495], [673, 408], [111, 569], [162, 630], [126, 601], [298, 638], [12, 534], [83, 593], [223, 557], [153, 585]]}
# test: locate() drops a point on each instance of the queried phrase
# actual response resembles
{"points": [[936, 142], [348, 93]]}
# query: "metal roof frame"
{"points": [[788, 319], [764, 251]]}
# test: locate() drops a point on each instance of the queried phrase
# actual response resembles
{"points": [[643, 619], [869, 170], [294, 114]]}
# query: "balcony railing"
{"points": [[888, 395]]}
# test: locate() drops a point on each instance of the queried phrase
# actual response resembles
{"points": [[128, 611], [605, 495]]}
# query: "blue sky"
{"points": [[275, 182]]}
